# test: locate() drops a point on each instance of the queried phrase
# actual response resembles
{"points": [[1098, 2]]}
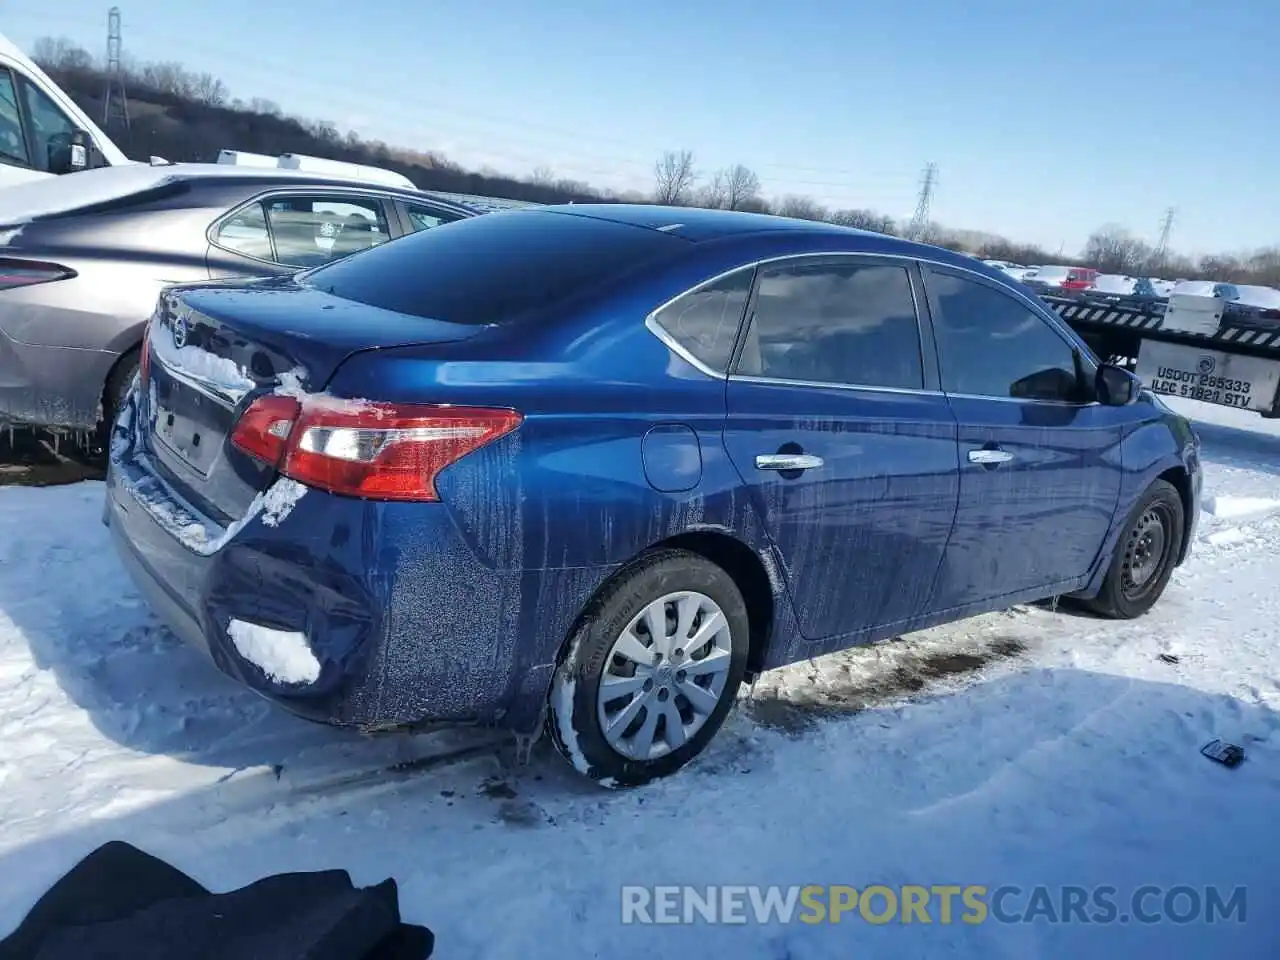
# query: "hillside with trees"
{"points": [[185, 116]]}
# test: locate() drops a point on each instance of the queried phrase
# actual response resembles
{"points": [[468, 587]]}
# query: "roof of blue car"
{"points": [[696, 223]]}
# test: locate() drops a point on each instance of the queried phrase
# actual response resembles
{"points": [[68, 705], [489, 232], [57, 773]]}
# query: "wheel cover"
{"points": [[1146, 552], [664, 676]]}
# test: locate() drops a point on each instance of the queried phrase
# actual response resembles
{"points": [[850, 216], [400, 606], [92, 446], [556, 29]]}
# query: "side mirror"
{"points": [[69, 152], [1116, 386]]}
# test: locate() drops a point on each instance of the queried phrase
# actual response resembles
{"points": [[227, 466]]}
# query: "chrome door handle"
{"points": [[787, 461], [990, 456]]}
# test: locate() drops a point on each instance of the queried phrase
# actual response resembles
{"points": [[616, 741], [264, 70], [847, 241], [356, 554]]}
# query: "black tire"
{"points": [[113, 396], [573, 719], [1145, 555]]}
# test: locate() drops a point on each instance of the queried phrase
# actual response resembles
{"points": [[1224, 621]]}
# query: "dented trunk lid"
{"points": [[214, 348]]}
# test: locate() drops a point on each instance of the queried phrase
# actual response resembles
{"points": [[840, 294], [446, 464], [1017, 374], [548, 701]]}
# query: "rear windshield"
{"points": [[493, 268]]}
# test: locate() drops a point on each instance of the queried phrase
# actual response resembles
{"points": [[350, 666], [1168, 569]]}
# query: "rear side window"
{"points": [[493, 268], [705, 321], [841, 323], [246, 233], [424, 218]]}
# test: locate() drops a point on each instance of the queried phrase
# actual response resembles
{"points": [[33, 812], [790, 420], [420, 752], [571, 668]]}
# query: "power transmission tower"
{"points": [[115, 104], [920, 219], [1162, 247]]}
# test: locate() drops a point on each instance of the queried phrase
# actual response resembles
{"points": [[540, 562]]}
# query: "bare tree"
{"points": [[742, 187], [59, 54], [674, 177], [268, 108], [543, 176], [802, 208], [864, 220], [326, 131], [715, 195], [1264, 267], [1112, 249], [208, 89], [1222, 267], [756, 204], [576, 187]]}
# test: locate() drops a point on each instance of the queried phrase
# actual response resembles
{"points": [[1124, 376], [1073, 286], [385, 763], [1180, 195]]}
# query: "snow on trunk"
{"points": [[220, 374]]}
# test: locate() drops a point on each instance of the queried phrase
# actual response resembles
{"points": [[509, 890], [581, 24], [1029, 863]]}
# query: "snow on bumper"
{"points": [[285, 656]]}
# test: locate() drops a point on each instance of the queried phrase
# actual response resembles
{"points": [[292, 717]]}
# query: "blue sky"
{"points": [[1045, 120]]}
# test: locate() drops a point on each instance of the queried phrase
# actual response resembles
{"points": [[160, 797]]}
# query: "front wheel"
{"points": [[651, 670], [1145, 556]]}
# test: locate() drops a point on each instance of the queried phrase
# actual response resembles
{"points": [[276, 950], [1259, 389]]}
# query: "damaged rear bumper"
{"points": [[406, 625]]}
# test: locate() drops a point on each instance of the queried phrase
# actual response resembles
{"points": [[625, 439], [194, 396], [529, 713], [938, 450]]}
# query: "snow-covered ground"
{"points": [[1023, 748]]}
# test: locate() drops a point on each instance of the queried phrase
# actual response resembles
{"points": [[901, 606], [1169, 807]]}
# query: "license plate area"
{"points": [[187, 422], [1226, 380]]}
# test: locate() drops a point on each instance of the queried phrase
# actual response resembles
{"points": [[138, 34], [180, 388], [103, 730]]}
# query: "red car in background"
{"points": [[1063, 278]]}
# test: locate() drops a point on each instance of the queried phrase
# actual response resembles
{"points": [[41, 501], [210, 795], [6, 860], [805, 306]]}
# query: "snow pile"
{"points": [[1235, 508], [284, 656]]}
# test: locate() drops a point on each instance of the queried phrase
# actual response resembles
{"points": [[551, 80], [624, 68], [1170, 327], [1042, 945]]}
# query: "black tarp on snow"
{"points": [[121, 902]]}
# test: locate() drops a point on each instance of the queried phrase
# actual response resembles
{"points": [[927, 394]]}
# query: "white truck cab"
{"points": [[42, 131]]}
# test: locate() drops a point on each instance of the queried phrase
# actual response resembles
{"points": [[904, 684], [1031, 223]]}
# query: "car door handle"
{"points": [[989, 457], [787, 461]]}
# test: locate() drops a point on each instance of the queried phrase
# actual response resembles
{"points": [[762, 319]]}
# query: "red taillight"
{"points": [[28, 273], [263, 431], [379, 451]]}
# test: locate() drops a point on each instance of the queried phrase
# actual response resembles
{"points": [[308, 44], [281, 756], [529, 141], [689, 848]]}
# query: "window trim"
{"points": [[211, 232], [24, 122], [917, 266], [667, 337], [928, 372], [1086, 362]]}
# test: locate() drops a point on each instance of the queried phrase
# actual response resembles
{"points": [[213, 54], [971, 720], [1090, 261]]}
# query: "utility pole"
{"points": [[919, 225], [1162, 247], [115, 104]]}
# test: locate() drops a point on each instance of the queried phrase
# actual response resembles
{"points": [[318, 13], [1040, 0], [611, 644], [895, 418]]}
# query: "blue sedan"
{"points": [[590, 468]]}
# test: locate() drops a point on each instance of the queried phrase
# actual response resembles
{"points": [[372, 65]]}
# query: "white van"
{"points": [[42, 131]]}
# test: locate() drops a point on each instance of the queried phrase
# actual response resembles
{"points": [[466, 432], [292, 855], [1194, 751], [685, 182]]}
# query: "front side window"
{"points": [[424, 218], [313, 230], [13, 144], [705, 321], [992, 345], [840, 323], [48, 122]]}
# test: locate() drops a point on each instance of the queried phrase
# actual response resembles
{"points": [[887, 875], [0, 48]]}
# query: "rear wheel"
{"points": [[651, 670], [113, 397], [1146, 555]]}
